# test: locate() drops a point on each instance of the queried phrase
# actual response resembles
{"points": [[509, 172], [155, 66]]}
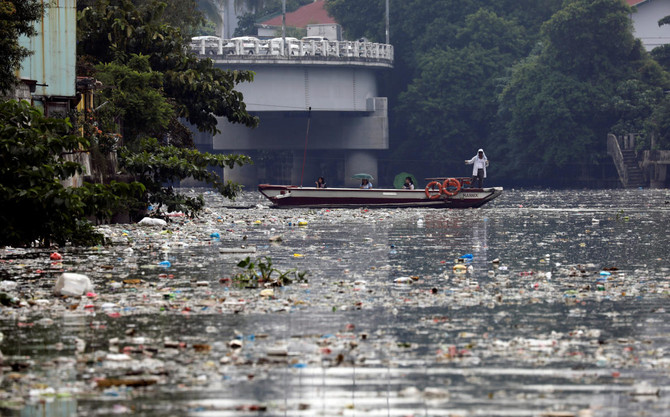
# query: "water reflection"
{"points": [[50, 407]]}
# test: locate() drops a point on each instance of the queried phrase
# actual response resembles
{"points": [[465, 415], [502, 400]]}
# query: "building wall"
{"points": [[53, 63], [331, 31], [645, 23]]}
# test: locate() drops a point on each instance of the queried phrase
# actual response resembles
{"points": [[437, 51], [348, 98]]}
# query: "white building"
{"points": [[645, 18]]}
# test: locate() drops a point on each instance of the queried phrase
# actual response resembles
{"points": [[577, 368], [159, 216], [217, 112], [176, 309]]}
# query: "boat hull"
{"points": [[287, 196]]}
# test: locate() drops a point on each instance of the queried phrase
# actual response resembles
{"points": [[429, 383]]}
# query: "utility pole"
{"points": [[283, 28], [388, 40]]}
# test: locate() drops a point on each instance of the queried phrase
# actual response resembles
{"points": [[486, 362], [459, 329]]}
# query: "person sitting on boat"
{"points": [[409, 184], [320, 183], [365, 183], [479, 163]]}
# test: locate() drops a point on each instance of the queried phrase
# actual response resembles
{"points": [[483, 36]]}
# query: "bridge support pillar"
{"points": [[357, 162], [241, 175], [659, 177], [311, 172]]}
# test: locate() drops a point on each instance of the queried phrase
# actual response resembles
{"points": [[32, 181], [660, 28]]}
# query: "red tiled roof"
{"points": [[634, 2], [313, 13]]}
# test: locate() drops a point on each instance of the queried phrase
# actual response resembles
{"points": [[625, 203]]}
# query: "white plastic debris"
{"points": [[242, 249], [8, 285], [71, 284], [150, 221]]}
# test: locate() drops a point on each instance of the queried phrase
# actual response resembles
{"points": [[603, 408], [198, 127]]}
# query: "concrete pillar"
{"points": [[296, 170], [357, 162], [246, 175], [659, 176]]}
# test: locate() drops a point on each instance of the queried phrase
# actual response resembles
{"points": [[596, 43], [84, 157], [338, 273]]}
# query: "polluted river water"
{"points": [[541, 303]]}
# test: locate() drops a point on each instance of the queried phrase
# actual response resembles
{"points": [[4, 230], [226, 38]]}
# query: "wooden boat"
{"points": [[447, 194]]}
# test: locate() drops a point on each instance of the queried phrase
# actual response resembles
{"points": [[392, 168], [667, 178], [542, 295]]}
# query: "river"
{"points": [[541, 303]]}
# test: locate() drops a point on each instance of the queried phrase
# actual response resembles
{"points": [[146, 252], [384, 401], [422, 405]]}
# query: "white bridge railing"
{"points": [[251, 47]]}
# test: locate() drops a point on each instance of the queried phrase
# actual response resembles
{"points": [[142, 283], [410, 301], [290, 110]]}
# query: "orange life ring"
{"points": [[430, 185], [451, 182]]}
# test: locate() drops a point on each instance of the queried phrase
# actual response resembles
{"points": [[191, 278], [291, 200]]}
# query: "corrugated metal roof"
{"points": [[54, 58], [313, 13]]}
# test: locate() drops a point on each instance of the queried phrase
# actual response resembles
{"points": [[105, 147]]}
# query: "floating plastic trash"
{"points": [[8, 285], [150, 221], [241, 249], [72, 284], [165, 264]]}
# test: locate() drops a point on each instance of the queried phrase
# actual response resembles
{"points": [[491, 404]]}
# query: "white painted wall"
{"points": [[326, 88], [645, 23]]}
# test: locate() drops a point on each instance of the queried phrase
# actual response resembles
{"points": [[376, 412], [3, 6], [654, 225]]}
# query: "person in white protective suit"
{"points": [[479, 163]]}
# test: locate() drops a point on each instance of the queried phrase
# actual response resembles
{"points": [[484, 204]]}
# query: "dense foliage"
{"points": [[155, 166], [539, 84], [34, 205], [117, 32], [560, 105], [184, 15], [16, 19], [151, 84]]}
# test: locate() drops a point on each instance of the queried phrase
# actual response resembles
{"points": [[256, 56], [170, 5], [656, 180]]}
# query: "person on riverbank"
{"points": [[366, 184], [409, 184], [479, 163], [321, 183]]}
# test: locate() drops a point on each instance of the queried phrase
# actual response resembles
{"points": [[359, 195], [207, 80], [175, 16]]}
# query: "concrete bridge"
{"points": [[317, 102]]}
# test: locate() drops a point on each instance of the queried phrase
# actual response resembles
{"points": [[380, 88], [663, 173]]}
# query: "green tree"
{"points": [[451, 106], [451, 58], [360, 18], [591, 76], [151, 83], [133, 93], [199, 91], [549, 123], [16, 19], [590, 39], [182, 14], [34, 205], [658, 125], [246, 25], [154, 165]]}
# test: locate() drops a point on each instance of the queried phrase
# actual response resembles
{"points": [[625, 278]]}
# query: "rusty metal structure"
{"points": [[51, 69]]}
